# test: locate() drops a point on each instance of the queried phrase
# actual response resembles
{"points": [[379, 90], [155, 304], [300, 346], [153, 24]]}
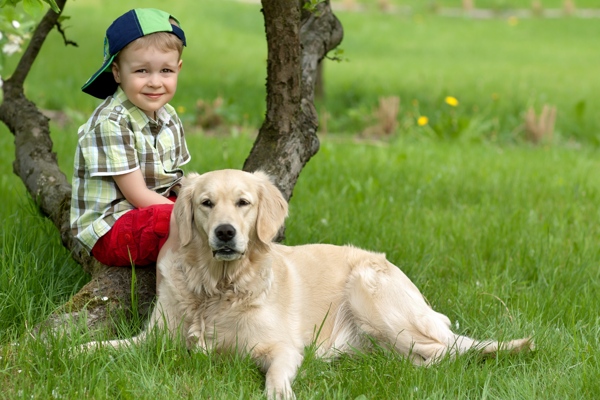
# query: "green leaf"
{"points": [[53, 5], [33, 7], [12, 3]]}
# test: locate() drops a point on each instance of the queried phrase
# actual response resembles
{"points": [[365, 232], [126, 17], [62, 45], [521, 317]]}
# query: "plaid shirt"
{"points": [[117, 139]]}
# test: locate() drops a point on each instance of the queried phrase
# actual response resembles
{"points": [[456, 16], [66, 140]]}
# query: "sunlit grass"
{"points": [[496, 70], [501, 239]]}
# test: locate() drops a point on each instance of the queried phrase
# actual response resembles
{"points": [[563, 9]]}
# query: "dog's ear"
{"points": [[272, 209], [184, 215]]}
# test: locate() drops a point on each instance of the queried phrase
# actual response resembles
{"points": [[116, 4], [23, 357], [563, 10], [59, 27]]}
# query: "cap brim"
{"points": [[102, 84]]}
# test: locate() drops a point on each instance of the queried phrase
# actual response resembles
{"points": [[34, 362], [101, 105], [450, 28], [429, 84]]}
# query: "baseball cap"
{"points": [[128, 27]]}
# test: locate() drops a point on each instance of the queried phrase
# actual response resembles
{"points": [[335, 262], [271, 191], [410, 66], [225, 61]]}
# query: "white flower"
{"points": [[1, 36], [13, 45], [10, 48], [104, 298], [16, 24]]}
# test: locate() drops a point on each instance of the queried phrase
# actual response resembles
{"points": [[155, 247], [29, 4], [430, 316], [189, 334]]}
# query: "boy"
{"points": [[129, 153]]}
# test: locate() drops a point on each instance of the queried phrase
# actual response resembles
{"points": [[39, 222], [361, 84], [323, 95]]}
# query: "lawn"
{"points": [[499, 234]]}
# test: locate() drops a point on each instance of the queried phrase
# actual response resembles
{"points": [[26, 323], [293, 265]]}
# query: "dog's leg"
{"points": [[111, 343], [389, 307], [195, 336], [157, 321], [280, 364]]}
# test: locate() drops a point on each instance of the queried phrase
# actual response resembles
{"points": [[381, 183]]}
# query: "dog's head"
{"points": [[229, 210]]}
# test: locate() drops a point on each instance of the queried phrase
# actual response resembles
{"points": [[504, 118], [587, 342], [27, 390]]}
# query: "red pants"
{"points": [[136, 237]]}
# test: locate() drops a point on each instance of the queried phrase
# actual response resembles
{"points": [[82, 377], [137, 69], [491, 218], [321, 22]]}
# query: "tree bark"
{"points": [[297, 40], [287, 140]]}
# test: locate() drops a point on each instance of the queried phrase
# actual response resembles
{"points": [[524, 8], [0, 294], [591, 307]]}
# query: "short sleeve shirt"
{"points": [[117, 139]]}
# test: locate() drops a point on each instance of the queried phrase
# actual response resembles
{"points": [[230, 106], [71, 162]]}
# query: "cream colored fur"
{"points": [[228, 287]]}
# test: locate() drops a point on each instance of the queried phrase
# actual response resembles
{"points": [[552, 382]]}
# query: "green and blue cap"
{"points": [[128, 27]]}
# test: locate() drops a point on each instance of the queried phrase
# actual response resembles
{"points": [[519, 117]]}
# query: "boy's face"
{"points": [[148, 76]]}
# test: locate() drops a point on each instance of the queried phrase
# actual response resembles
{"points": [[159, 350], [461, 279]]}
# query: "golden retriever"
{"points": [[229, 287]]}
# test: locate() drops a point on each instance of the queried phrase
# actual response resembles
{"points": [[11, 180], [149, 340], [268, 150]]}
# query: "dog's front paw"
{"points": [[280, 393], [195, 341]]}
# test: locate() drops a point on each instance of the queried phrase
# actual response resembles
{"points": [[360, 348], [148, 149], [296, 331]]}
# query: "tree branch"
{"points": [[33, 49], [67, 42]]}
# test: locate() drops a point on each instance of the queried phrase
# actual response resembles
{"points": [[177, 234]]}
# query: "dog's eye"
{"points": [[242, 203], [207, 203]]}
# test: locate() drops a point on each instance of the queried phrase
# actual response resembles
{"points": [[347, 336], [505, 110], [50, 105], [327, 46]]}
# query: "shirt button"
{"points": [[118, 108]]}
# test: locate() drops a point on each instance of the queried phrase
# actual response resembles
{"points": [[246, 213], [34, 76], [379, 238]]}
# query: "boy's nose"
{"points": [[154, 80]]}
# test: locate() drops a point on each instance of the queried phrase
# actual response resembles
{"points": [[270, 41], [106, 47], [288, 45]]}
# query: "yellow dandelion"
{"points": [[180, 110], [451, 101], [422, 120], [512, 20]]}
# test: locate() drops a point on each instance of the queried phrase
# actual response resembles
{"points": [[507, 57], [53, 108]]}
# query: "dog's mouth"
{"points": [[227, 254]]}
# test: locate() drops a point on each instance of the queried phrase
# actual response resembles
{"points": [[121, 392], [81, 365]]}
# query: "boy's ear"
{"points": [[115, 71]]}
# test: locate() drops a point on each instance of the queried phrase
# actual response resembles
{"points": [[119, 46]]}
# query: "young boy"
{"points": [[129, 153]]}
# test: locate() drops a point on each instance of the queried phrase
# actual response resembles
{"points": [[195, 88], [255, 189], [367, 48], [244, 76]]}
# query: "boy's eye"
{"points": [[166, 70], [141, 70]]}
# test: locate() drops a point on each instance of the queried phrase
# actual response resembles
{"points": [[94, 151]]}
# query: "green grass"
{"points": [[501, 239], [500, 235], [496, 71]]}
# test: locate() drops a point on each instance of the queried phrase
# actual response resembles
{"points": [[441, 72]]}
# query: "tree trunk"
{"points": [[297, 41], [287, 140]]}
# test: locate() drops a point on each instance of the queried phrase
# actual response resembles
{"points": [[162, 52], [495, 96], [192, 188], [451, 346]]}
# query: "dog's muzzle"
{"points": [[225, 248]]}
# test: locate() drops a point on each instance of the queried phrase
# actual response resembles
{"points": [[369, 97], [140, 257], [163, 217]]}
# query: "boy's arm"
{"points": [[133, 187]]}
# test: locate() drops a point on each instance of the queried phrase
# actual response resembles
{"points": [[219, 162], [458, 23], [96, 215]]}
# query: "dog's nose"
{"points": [[225, 232]]}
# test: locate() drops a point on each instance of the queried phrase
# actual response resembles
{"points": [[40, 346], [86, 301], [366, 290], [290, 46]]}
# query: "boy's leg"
{"points": [[142, 236]]}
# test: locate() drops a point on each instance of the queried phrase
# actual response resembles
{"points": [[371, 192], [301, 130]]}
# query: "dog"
{"points": [[229, 287]]}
